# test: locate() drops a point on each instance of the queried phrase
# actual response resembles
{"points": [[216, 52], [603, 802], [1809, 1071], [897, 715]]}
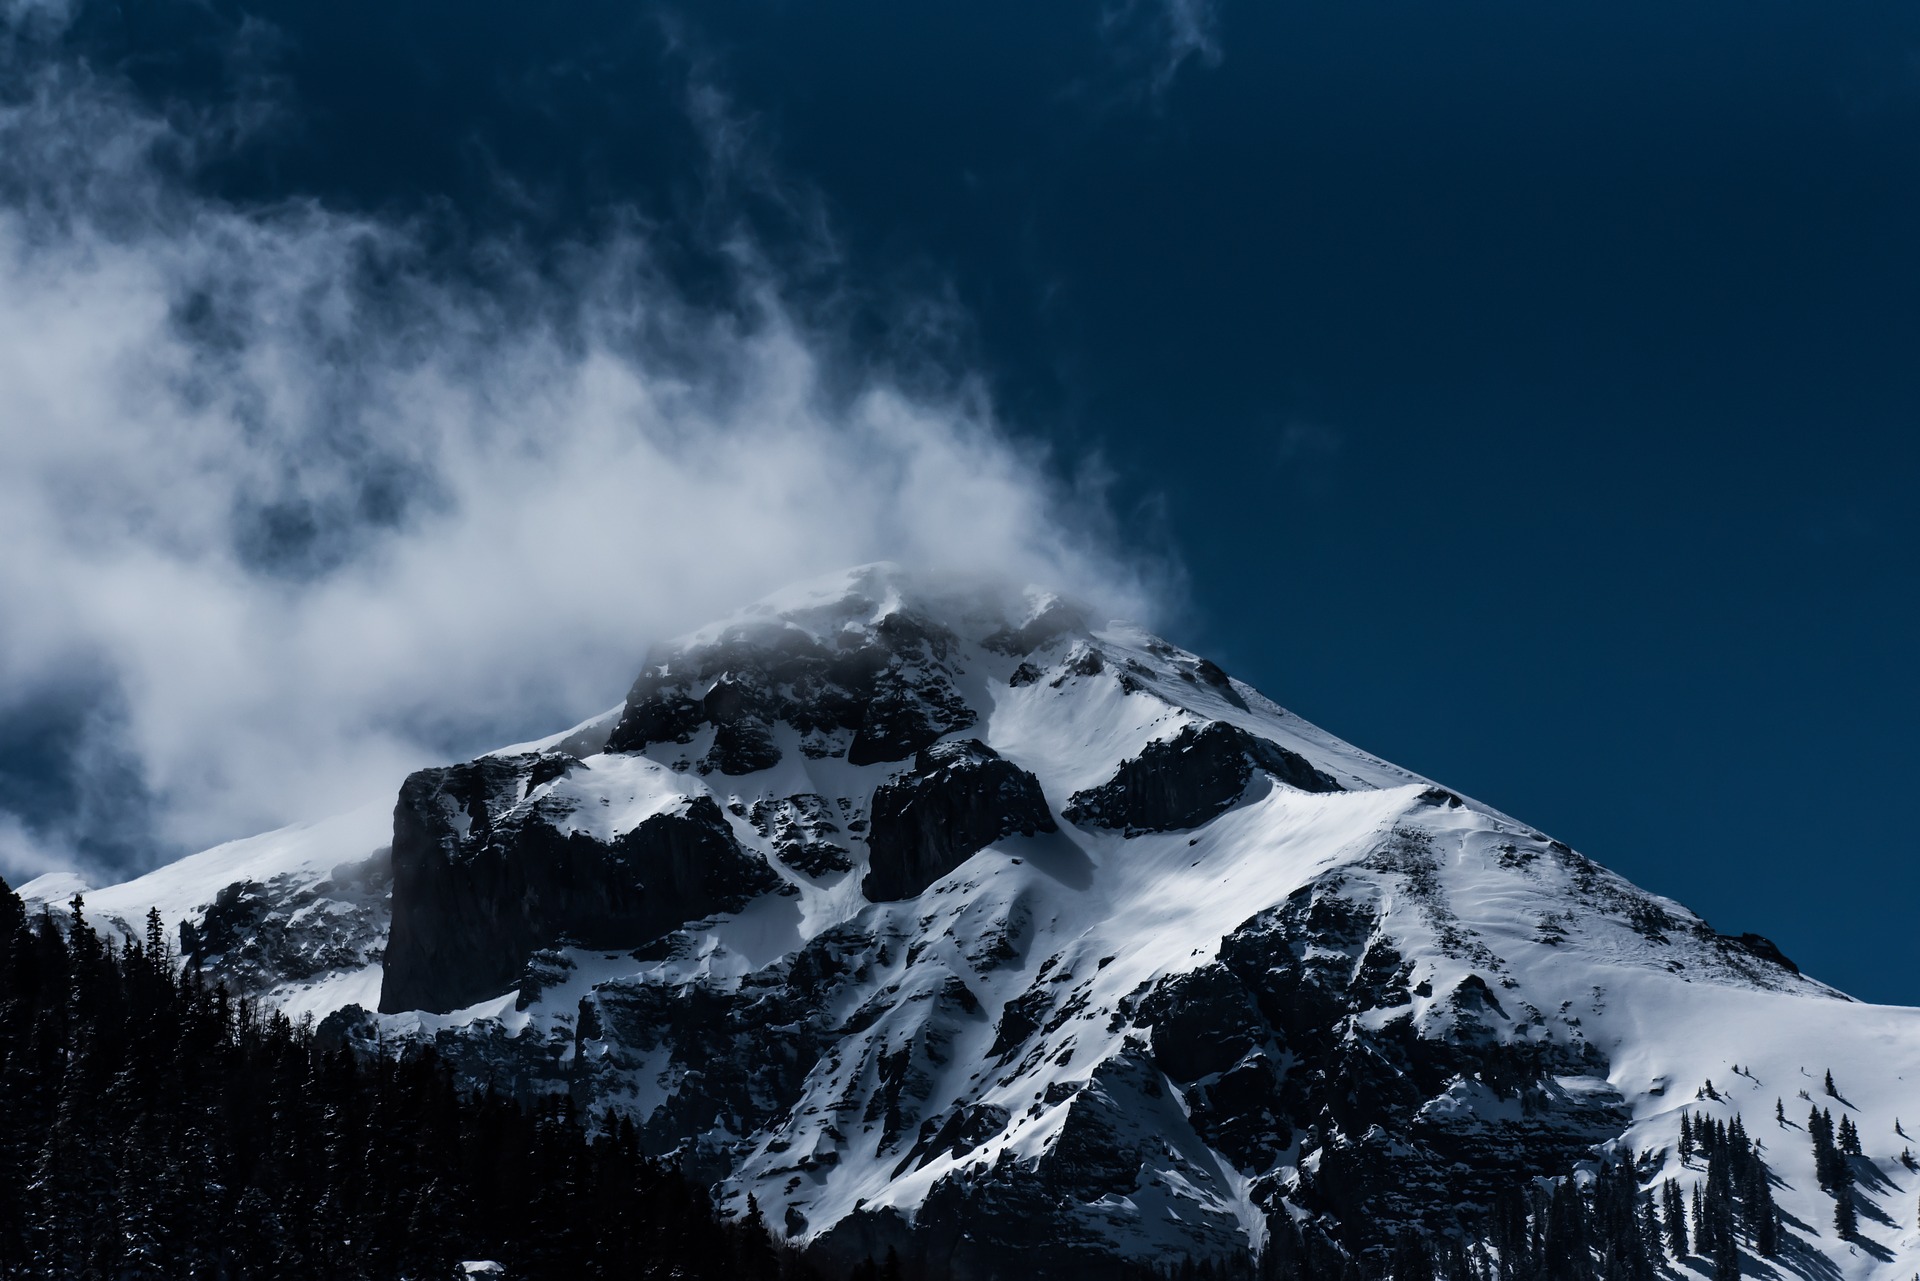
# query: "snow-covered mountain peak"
{"points": [[925, 912], [972, 606]]}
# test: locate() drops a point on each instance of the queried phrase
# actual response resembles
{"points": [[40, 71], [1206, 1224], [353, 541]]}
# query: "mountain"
{"points": [[926, 914]]}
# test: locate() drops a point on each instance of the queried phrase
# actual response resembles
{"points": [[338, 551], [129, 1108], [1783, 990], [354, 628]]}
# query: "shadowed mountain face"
{"points": [[483, 880], [930, 917]]}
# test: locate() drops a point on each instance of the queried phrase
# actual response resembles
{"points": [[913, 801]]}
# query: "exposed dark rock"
{"points": [[739, 1052], [1082, 660], [1047, 1220], [550, 766], [481, 881], [1183, 781], [349, 1027], [1098, 1150], [546, 968], [908, 1073], [1210, 672], [800, 829], [1407, 1121], [956, 1134], [1758, 945], [878, 696], [742, 737], [254, 936], [1203, 1023], [1025, 674], [1020, 1019], [1049, 625], [961, 797]]}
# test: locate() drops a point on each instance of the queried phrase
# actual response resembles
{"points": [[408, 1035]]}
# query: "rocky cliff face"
{"points": [[960, 798], [491, 865], [257, 936], [1183, 781], [930, 917]]}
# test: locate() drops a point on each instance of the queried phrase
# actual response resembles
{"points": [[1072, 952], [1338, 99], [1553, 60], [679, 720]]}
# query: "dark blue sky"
{"points": [[1529, 391]]}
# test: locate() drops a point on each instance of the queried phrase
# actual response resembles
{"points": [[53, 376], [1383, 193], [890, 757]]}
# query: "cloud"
{"points": [[1193, 31], [302, 506], [26, 853], [1165, 35]]}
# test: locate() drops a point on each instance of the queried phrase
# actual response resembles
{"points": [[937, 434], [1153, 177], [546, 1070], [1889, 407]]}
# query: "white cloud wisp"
{"points": [[310, 512]]}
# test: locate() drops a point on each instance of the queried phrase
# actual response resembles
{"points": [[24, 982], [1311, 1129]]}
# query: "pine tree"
{"points": [[1676, 1222], [1765, 1220], [1831, 1092], [1686, 1137], [1845, 1219], [1826, 1157]]}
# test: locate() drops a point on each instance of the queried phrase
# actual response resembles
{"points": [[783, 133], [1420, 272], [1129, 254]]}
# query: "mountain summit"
{"points": [[930, 914]]}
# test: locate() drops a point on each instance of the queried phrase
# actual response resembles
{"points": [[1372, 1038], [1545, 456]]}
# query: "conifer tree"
{"points": [[1765, 1220], [1849, 1139], [1652, 1230], [1845, 1219], [1676, 1222], [1726, 1261], [1826, 1158]]}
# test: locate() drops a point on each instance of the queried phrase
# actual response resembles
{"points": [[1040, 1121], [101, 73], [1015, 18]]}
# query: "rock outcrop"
{"points": [[1183, 781], [872, 697], [959, 798], [483, 878], [259, 935]]}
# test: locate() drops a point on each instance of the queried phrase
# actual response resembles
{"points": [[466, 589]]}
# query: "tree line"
{"points": [[153, 1125]]}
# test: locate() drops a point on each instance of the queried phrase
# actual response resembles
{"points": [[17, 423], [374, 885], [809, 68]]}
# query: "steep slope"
{"points": [[926, 914], [298, 916]]}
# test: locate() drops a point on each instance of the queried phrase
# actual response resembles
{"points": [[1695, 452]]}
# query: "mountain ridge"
{"points": [[1167, 962]]}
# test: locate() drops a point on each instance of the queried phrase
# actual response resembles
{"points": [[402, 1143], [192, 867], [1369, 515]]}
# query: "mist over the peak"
{"points": [[296, 501]]}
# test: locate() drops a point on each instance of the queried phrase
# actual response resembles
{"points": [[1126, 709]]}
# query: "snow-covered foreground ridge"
{"points": [[928, 914]]}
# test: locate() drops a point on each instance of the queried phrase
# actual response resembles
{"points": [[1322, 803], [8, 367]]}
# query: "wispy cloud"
{"points": [[307, 510], [1165, 36]]}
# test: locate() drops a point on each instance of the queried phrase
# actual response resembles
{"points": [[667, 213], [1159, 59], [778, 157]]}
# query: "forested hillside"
{"points": [[151, 1125], [154, 1126]]}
